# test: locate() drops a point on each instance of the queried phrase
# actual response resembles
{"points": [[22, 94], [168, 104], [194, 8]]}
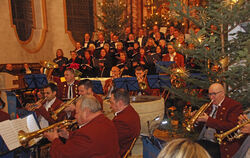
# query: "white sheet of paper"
{"points": [[9, 135]]}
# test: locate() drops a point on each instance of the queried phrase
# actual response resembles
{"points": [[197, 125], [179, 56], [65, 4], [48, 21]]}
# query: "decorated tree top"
{"points": [[112, 17]]}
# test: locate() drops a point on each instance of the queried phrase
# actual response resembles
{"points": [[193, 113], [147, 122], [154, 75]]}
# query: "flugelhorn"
{"points": [[190, 123], [33, 106], [25, 138], [221, 137], [142, 81], [62, 107]]}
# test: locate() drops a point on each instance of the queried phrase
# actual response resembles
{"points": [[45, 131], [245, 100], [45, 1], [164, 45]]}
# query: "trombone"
{"points": [[25, 138], [190, 123], [62, 107]]}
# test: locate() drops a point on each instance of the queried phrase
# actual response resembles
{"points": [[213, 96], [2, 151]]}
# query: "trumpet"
{"points": [[142, 81], [237, 135], [33, 106], [62, 107], [190, 123], [25, 138]]}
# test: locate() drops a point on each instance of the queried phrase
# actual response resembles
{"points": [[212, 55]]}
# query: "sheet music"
{"points": [[9, 130], [9, 135], [20, 124]]}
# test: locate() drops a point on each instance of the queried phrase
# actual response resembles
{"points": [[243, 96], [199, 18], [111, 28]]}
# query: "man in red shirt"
{"points": [[174, 56], [126, 120], [95, 138]]}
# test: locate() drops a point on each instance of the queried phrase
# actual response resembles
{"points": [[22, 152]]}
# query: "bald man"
{"points": [[108, 86], [221, 116]]}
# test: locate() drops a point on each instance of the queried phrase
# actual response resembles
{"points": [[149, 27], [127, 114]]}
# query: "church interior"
{"points": [[175, 71]]}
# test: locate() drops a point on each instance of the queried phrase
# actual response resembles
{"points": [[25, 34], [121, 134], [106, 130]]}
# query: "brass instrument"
{"points": [[190, 123], [62, 107], [227, 134], [33, 106], [25, 138], [48, 68], [142, 81]]}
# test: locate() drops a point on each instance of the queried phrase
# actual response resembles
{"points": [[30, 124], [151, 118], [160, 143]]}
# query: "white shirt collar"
{"points": [[49, 103]]}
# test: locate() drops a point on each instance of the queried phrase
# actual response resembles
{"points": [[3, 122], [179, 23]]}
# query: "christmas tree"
{"points": [[218, 54], [112, 18]]}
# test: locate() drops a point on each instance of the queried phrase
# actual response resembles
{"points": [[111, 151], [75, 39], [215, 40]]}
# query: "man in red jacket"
{"points": [[126, 120], [95, 138], [51, 104], [221, 116], [68, 89], [174, 56]]}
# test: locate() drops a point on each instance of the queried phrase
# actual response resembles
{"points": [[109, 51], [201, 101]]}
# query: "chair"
{"points": [[130, 148]]}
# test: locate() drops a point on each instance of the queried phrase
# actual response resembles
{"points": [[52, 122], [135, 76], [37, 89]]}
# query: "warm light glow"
{"points": [[234, 1]]}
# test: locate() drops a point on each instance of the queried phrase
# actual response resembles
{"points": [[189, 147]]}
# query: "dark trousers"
{"points": [[212, 148]]}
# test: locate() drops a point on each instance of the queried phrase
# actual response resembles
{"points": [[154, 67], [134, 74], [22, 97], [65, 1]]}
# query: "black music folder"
{"points": [[158, 81], [34, 81], [97, 86], [128, 83]]}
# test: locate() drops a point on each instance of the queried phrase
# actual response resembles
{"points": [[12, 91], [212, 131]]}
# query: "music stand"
{"points": [[97, 86], [128, 83], [165, 64], [34, 81], [158, 81]]}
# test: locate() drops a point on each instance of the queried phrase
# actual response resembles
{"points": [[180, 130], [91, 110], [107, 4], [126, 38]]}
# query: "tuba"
{"points": [[62, 107], [48, 68], [25, 138], [228, 134], [190, 123]]}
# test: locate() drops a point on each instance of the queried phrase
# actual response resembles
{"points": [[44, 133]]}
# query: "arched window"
{"points": [[22, 18], [80, 19]]}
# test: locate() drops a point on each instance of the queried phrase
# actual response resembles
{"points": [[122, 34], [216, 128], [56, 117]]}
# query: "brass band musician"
{"points": [[109, 86], [141, 76], [96, 136], [85, 87], [68, 89], [51, 103], [244, 150], [220, 117]]}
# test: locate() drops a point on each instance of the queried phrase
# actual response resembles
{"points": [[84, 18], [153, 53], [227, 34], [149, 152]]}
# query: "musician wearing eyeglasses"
{"points": [[222, 115], [96, 136]]}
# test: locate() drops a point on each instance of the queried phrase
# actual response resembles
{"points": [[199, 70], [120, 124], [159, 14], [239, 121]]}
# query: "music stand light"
{"points": [[128, 83], [97, 86]]}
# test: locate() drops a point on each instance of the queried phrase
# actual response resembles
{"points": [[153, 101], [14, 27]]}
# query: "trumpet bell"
{"points": [[25, 139]]}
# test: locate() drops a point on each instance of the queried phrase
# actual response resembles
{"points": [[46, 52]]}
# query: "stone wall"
{"points": [[55, 36]]}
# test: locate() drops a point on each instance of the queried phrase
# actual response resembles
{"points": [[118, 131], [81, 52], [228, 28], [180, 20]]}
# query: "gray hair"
{"points": [[90, 102], [121, 94]]}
